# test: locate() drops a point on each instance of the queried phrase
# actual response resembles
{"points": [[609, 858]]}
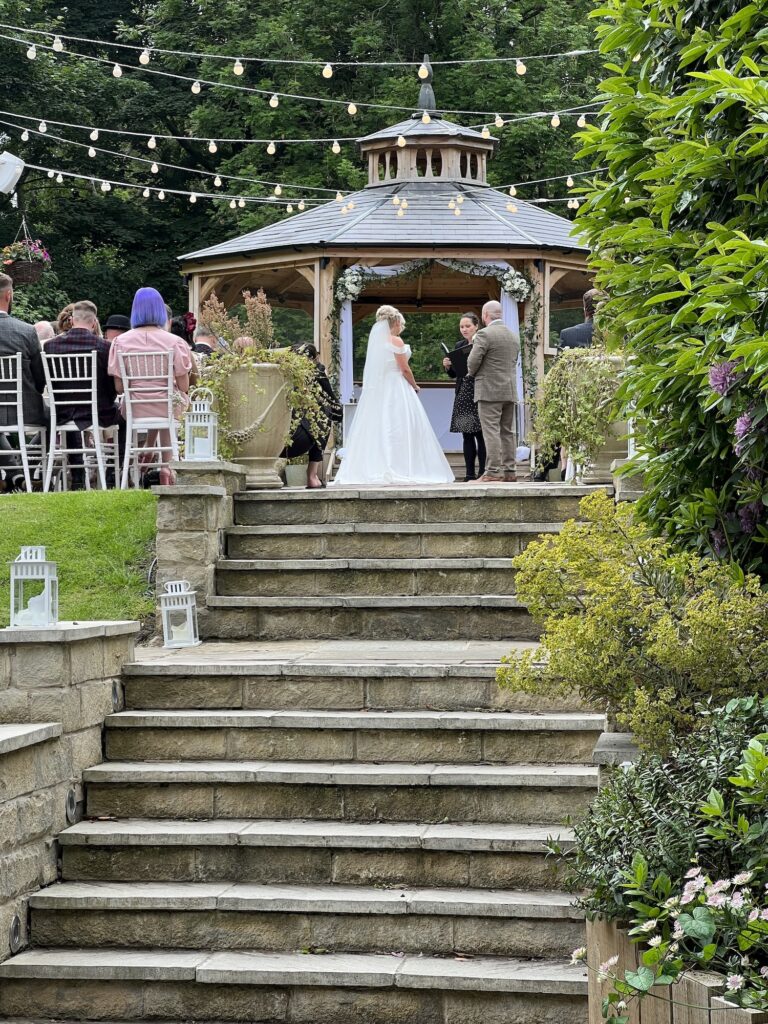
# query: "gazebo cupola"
{"points": [[426, 147]]}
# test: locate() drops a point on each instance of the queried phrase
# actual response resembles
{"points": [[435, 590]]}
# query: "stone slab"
{"points": [[400, 603], [615, 748], [358, 971], [428, 491], [67, 632], [305, 529], [189, 491], [104, 964], [491, 975], [15, 737], [129, 896], [360, 564]]}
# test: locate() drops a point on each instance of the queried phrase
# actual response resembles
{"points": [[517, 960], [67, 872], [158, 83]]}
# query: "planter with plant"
{"points": [[575, 410], [25, 260], [262, 392]]}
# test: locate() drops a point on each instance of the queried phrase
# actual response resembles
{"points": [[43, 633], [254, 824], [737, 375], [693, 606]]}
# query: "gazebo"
{"points": [[426, 234]]}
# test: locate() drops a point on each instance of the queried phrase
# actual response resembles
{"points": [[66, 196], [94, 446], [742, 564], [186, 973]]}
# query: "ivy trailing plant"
{"points": [[251, 341], [677, 219], [575, 407], [636, 628]]}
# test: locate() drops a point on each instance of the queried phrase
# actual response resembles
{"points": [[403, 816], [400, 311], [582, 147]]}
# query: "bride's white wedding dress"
{"points": [[391, 440]]}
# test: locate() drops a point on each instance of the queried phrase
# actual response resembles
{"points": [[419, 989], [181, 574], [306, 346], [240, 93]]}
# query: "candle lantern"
{"points": [[178, 606], [201, 428], [34, 590]]}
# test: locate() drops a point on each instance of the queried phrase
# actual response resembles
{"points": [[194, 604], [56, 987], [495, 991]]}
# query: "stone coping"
{"points": [[398, 604], [189, 491], [302, 529], [67, 632], [17, 736], [615, 748], [428, 491], [379, 564], [209, 466]]}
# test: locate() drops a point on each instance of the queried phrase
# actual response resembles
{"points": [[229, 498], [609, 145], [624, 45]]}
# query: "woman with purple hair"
{"points": [[149, 333]]}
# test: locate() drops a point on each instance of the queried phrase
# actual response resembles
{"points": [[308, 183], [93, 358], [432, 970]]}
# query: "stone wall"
{"points": [[56, 688]]}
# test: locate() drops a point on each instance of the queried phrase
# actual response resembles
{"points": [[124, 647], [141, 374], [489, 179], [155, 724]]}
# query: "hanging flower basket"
{"points": [[24, 261], [24, 271]]}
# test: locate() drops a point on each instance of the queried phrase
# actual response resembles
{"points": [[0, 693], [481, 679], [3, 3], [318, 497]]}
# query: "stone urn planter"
{"points": [[262, 417], [599, 471]]}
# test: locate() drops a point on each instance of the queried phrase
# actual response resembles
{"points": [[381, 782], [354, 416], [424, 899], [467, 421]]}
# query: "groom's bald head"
{"points": [[491, 311]]}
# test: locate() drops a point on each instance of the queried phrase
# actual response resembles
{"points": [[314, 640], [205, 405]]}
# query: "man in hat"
{"points": [[115, 326]]}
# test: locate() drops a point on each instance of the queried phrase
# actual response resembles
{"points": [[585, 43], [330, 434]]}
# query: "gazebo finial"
{"points": [[426, 93]]}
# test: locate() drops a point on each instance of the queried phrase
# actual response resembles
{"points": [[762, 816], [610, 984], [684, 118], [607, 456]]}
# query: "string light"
{"points": [[569, 181], [233, 205], [403, 204], [511, 207], [146, 193], [91, 152], [271, 149], [351, 205], [60, 178], [278, 190], [32, 52], [555, 122], [212, 147], [582, 122], [302, 205], [352, 109], [94, 136], [401, 212], [161, 195], [193, 198], [25, 136], [217, 181], [452, 205], [105, 186], [457, 212], [144, 57], [117, 71], [395, 200], [339, 197], [51, 174], [327, 71], [42, 127], [152, 143], [195, 87], [57, 44], [459, 200], [238, 68], [423, 72], [512, 190], [401, 141], [274, 101], [241, 203], [520, 68], [425, 118], [289, 208], [154, 168], [335, 148], [486, 132], [343, 210], [498, 121]]}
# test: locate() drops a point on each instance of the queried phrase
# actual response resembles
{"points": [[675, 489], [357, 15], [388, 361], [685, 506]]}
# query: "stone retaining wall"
{"points": [[66, 680]]}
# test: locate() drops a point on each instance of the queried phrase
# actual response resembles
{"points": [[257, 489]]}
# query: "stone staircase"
{"points": [[291, 826]]}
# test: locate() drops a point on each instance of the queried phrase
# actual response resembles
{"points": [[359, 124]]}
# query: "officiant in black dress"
{"points": [[464, 419]]}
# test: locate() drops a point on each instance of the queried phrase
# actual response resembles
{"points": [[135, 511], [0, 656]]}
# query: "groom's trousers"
{"points": [[499, 423]]}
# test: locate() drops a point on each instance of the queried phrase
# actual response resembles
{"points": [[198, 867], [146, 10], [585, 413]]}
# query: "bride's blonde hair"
{"points": [[390, 314]]}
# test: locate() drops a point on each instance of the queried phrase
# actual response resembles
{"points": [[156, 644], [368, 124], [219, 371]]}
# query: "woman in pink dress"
{"points": [[149, 333]]}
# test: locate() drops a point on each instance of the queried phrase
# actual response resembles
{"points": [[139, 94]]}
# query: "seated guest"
{"points": [[206, 342], [148, 333], [116, 325], [183, 328], [64, 319], [44, 332], [16, 336], [83, 336]]}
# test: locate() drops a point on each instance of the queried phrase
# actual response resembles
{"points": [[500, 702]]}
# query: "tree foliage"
{"points": [[677, 222], [105, 245]]}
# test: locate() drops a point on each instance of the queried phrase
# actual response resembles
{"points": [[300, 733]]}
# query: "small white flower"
{"points": [[734, 982], [649, 925], [655, 941], [579, 954], [743, 878]]}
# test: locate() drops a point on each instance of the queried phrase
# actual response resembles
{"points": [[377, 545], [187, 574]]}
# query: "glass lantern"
{"points": [[34, 590], [201, 428], [178, 607]]}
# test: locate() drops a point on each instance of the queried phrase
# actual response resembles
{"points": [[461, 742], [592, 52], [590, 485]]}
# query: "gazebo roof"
{"points": [[484, 223], [438, 126]]}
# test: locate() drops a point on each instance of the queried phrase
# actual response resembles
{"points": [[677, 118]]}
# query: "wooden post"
{"points": [[692, 996], [323, 308], [723, 1012], [193, 287]]}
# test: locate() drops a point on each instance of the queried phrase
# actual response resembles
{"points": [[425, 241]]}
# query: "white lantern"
{"points": [[201, 428], [34, 590], [178, 606]]}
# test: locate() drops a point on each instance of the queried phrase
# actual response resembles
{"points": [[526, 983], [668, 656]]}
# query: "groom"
{"points": [[493, 364]]}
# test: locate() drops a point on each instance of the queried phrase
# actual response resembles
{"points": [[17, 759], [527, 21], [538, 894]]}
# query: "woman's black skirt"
{"points": [[464, 419]]}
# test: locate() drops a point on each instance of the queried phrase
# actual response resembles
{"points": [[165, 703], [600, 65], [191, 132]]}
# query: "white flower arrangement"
{"points": [[349, 285], [515, 285]]}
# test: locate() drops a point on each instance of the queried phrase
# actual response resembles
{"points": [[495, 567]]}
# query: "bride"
{"points": [[391, 440]]}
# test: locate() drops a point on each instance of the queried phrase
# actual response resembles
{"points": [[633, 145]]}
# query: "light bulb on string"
{"points": [[60, 178], [350, 205], [241, 203], [423, 72], [339, 197], [217, 181], [193, 198], [105, 186], [117, 71], [237, 68], [278, 190], [91, 152], [395, 200], [271, 149], [425, 118], [569, 181], [289, 208], [520, 68], [274, 101], [144, 57], [57, 44], [32, 52], [51, 173], [352, 109], [154, 168], [582, 122], [335, 148], [401, 212], [212, 147], [327, 71], [459, 200], [403, 204], [512, 190], [25, 136], [569, 204], [555, 122], [498, 121], [195, 87], [401, 141], [42, 127], [457, 212], [452, 204], [232, 205], [576, 204], [94, 136], [511, 207], [486, 132], [302, 204], [161, 195], [343, 209], [152, 142], [146, 193]]}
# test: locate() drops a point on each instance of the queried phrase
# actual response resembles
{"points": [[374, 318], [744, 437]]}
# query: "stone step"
{"points": [[386, 540], [532, 794], [294, 988], [445, 736], [447, 617], [493, 855], [353, 919], [331, 577], [463, 503]]}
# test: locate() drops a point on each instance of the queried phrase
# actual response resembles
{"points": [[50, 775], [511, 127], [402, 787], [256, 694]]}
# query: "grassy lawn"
{"points": [[103, 542]]}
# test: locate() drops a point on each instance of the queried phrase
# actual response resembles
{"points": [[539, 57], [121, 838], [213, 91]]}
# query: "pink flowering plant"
{"points": [[25, 250]]}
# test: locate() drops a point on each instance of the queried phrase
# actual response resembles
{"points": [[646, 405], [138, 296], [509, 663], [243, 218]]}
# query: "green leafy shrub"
{"points": [[677, 220], [639, 630]]}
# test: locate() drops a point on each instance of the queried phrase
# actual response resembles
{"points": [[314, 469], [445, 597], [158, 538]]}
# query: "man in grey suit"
{"points": [[16, 336], [493, 364]]}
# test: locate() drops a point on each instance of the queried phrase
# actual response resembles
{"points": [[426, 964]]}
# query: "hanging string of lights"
{"points": [[146, 52], [274, 97]]}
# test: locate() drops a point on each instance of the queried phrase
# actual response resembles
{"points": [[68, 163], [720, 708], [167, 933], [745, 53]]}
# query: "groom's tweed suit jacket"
{"points": [[493, 363]]}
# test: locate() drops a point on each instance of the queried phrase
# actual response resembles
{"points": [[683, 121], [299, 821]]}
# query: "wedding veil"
{"points": [[379, 355]]}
